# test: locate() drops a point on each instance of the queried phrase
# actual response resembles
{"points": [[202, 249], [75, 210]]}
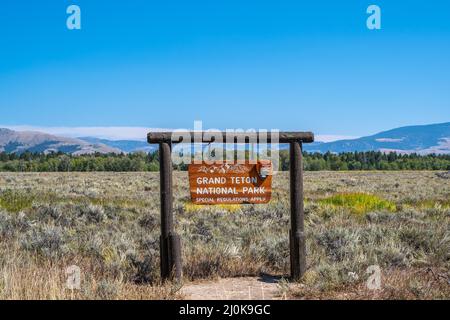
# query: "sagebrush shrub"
{"points": [[50, 241]]}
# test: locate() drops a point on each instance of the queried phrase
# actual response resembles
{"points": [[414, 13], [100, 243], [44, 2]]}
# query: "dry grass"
{"points": [[409, 284], [108, 225]]}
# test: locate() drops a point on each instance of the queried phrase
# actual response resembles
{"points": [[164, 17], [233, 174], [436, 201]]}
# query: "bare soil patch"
{"points": [[245, 288]]}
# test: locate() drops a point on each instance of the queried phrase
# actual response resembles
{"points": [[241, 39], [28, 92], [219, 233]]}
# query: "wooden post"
{"points": [[296, 234], [170, 248]]}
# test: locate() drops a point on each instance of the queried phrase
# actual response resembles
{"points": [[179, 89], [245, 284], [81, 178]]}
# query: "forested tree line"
{"points": [[60, 162]]}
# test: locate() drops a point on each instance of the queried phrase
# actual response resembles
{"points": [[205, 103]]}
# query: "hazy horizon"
{"points": [[140, 133], [126, 133]]}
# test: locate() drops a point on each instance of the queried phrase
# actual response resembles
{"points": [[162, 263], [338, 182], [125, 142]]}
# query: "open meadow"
{"points": [[107, 224]]}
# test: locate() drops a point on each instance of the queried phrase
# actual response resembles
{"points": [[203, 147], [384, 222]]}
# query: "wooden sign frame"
{"points": [[170, 243]]}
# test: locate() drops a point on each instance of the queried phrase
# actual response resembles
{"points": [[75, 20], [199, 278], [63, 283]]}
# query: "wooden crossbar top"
{"points": [[238, 137]]}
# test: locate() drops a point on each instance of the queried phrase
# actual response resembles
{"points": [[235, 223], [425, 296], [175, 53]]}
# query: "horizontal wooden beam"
{"points": [[235, 137]]}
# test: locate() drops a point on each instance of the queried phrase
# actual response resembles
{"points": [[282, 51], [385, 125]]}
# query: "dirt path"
{"points": [[247, 288]]}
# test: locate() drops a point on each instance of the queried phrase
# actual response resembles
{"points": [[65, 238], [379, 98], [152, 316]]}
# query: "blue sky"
{"points": [[290, 65]]}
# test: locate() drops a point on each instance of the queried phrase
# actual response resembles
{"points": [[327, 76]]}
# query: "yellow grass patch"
{"points": [[15, 201], [190, 207], [359, 202]]}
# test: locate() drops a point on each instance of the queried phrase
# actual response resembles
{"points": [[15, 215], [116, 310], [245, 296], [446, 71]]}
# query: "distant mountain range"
{"points": [[123, 145], [424, 139], [21, 141]]}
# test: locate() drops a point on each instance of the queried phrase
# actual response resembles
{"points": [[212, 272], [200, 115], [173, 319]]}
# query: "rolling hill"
{"points": [[124, 145], [423, 139], [20, 141]]}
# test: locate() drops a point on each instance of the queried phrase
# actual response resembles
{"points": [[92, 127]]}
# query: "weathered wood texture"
{"points": [[208, 137], [223, 183], [296, 234], [170, 248]]}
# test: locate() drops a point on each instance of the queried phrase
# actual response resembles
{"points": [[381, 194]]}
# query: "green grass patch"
{"points": [[15, 200], [359, 203]]}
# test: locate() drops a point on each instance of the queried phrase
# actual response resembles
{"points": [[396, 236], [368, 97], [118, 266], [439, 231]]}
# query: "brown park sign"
{"points": [[230, 183]]}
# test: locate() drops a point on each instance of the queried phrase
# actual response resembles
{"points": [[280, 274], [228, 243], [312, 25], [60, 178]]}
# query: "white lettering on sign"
{"points": [[241, 180], [212, 190], [211, 180], [252, 190]]}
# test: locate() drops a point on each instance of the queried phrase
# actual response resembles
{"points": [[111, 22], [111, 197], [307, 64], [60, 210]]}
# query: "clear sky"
{"points": [[290, 65]]}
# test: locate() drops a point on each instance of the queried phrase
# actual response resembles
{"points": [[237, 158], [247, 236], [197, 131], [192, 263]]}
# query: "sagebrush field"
{"points": [[108, 225]]}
